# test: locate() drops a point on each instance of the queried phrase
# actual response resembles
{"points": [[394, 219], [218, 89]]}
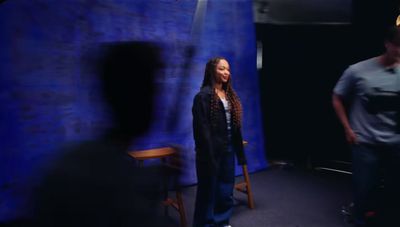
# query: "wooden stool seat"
{"points": [[245, 186], [163, 153]]}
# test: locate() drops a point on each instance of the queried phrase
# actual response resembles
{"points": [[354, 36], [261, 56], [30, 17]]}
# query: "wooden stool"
{"points": [[163, 153], [245, 186]]}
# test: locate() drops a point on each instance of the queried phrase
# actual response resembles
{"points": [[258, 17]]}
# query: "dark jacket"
{"points": [[212, 140]]}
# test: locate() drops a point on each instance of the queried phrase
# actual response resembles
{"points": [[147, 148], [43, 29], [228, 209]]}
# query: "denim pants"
{"points": [[214, 198], [374, 166]]}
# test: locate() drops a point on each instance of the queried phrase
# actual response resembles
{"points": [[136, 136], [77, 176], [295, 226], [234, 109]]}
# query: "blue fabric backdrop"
{"points": [[50, 97]]}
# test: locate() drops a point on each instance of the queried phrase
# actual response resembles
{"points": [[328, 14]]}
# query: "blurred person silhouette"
{"points": [[371, 122], [95, 183], [217, 116]]}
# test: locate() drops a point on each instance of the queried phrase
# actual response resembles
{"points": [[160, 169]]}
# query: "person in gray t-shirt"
{"points": [[371, 122]]}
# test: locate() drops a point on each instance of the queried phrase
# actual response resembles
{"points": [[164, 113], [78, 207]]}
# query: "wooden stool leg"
{"points": [[181, 208], [248, 187], [165, 187], [163, 153]]}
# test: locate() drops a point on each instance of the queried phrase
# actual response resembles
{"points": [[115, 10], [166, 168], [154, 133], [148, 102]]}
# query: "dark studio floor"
{"points": [[284, 197], [287, 198]]}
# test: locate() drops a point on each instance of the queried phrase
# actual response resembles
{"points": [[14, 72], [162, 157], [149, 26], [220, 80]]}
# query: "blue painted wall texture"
{"points": [[49, 96]]}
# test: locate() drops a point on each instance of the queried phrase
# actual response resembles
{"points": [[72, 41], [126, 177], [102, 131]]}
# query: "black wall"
{"points": [[301, 65]]}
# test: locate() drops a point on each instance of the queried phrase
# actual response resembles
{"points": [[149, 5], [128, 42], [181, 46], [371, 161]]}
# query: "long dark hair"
{"points": [[234, 101]]}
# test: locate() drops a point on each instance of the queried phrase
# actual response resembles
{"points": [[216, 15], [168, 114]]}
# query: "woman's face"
{"points": [[222, 71]]}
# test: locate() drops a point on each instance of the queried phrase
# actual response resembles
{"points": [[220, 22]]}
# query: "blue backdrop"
{"points": [[50, 97]]}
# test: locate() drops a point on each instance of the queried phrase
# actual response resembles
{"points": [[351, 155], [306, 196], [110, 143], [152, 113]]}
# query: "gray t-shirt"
{"points": [[373, 92], [228, 115]]}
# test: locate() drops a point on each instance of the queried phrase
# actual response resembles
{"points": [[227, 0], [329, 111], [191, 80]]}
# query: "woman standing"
{"points": [[217, 114]]}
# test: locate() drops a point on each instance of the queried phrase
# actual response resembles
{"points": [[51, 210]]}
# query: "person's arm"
{"points": [[241, 157], [202, 130], [341, 113]]}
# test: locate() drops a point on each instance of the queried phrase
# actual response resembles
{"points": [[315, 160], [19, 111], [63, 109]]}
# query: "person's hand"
{"points": [[351, 137]]}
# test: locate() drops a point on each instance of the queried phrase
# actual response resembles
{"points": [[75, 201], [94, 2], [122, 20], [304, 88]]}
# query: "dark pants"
{"points": [[375, 166], [214, 198]]}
